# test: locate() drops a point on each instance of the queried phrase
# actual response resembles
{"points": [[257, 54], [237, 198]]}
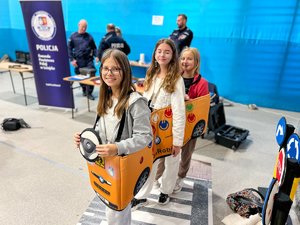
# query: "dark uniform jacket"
{"points": [[112, 40], [82, 48], [182, 38]]}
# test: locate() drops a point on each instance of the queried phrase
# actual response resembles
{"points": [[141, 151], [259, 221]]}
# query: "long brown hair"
{"points": [[173, 68], [105, 94]]}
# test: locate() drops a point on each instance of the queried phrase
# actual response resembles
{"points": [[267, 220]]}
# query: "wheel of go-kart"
{"points": [[141, 181], [89, 138], [198, 129]]}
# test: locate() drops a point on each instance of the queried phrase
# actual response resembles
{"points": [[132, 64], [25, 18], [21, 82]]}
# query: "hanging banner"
{"points": [[47, 42]]}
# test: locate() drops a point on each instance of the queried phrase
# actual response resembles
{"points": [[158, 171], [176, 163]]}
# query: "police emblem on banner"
{"points": [[43, 25]]}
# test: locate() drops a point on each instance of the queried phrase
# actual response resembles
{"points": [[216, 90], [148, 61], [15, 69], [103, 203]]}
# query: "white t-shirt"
{"points": [[110, 121]]}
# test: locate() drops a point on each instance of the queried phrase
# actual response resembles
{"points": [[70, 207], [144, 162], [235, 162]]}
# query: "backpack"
{"points": [[12, 124], [246, 202]]}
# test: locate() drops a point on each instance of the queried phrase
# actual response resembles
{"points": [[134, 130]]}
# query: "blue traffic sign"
{"points": [[292, 147], [281, 131]]}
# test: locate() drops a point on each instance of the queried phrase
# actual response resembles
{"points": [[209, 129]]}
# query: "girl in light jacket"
{"points": [[117, 95]]}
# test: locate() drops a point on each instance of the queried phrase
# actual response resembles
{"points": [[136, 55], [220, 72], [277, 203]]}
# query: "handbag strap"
{"points": [[194, 82], [154, 95], [121, 127], [122, 122], [246, 200], [256, 191], [96, 121]]}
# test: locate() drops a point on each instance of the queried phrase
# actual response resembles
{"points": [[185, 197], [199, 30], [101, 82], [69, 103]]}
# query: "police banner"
{"points": [[47, 42]]}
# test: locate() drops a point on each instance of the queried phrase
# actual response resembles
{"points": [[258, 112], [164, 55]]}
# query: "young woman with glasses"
{"points": [[118, 96]]}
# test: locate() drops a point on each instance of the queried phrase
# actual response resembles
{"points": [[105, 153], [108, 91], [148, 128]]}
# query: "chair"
{"points": [[214, 101], [214, 95], [20, 57], [28, 58]]}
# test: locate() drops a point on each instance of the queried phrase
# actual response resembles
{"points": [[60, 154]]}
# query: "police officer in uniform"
{"points": [[82, 50], [112, 40], [183, 36]]}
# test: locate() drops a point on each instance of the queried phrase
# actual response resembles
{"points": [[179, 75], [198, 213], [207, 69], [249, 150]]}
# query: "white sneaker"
{"points": [[178, 186], [156, 184]]}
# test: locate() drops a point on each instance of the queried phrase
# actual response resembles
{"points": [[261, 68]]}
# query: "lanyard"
{"points": [[154, 96]]}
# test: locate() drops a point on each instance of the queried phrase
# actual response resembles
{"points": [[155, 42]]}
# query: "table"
{"points": [[137, 64], [95, 81], [71, 80], [20, 68], [139, 69]]}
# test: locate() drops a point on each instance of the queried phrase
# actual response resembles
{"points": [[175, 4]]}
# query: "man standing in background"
{"points": [[82, 50], [183, 36], [112, 40]]}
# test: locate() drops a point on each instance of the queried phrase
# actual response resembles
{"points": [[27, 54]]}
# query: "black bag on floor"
{"points": [[11, 124], [225, 134]]}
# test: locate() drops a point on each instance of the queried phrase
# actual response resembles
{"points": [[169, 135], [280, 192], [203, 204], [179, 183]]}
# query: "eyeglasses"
{"points": [[115, 71]]}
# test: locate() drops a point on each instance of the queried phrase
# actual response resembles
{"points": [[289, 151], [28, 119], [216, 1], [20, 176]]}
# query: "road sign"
{"points": [[293, 146], [280, 168], [281, 131]]}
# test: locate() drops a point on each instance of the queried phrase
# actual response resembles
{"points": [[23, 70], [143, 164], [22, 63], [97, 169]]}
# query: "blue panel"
{"points": [[249, 48], [4, 15], [16, 16]]}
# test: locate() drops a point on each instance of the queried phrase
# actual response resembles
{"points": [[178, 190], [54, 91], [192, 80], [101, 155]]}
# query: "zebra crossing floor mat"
{"points": [[191, 206]]}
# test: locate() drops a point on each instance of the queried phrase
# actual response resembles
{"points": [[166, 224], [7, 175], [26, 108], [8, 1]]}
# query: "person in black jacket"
{"points": [[82, 50], [112, 40], [182, 36]]}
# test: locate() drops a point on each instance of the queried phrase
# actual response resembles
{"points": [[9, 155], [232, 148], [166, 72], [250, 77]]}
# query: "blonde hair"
{"points": [[118, 31], [105, 95], [172, 72], [197, 58]]}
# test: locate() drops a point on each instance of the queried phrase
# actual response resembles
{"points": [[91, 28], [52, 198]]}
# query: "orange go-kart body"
{"points": [[196, 123], [117, 179]]}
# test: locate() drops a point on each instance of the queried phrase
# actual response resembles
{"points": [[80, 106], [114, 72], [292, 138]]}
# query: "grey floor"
{"points": [[44, 179]]}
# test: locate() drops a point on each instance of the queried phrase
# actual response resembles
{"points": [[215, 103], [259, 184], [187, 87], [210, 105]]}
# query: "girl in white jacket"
{"points": [[165, 87]]}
